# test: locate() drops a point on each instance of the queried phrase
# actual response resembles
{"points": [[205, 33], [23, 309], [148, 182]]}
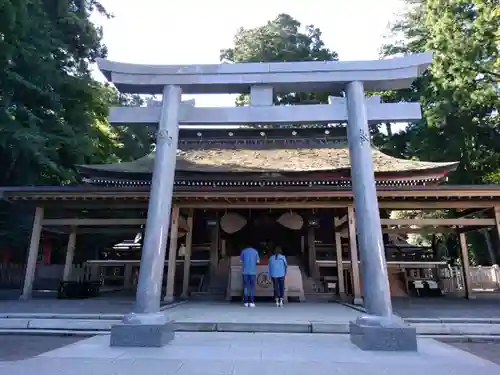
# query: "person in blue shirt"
{"points": [[249, 258], [277, 272]]}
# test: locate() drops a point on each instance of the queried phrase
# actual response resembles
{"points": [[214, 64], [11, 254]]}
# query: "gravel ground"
{"points": [[486, 350], [18, 347]]}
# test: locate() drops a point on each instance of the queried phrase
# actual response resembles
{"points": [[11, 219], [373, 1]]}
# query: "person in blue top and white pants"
{"points": [[277, 272], [249, 258]]}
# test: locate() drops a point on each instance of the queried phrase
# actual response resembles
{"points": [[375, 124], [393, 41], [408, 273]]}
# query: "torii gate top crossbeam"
{"points": [[308, 76]]}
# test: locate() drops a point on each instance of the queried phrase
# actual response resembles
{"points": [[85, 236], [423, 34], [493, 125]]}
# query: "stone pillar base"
{"points": [[168, 299], [357, 301], [383, 334], [143, 330]]}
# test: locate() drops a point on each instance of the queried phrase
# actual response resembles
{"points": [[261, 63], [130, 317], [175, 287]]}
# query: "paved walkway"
{"points": [[247, 353], [202, 312], [485, 305], [90, 306], [15, 348]]}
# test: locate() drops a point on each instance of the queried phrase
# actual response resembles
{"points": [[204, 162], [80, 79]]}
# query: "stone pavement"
{"points": [[485, 349], [320, 317], [484, 306], [102, 305], [248, 353], [17, 347], [305, 313]]}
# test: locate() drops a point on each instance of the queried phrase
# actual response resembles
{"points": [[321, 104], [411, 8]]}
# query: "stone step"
{"points": [[101, 325]]}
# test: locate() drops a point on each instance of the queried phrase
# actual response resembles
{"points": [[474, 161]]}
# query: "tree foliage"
{"points": [[459, 94], [280, 40], [53, 115]]}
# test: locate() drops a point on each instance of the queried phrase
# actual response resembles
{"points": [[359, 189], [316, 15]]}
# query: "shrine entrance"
{"points": [[292, 231], [266, 230]]}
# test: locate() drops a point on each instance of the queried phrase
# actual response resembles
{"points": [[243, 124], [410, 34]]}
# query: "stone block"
{"points": [[72, 324], [357, 301], [432, 329], [195, 327], [330, 328], [383, 334], [10, 323], [142, 335], [265, 327]]}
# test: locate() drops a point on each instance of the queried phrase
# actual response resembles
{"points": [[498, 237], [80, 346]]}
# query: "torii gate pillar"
{"points": [[148, 326], [379, 330]]}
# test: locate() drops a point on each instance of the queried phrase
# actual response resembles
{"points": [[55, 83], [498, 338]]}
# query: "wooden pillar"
{"points": [[70, 254], [489, 245], [311, 244], [187, 256], [29, 275], [172, 255], [353, 246], [223, 248], [497, 226], [340, 265], [464, 255], [214, 249], [128, 281]]}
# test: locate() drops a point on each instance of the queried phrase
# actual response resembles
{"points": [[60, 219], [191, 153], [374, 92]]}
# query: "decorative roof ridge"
{"points": [[268, 144]]}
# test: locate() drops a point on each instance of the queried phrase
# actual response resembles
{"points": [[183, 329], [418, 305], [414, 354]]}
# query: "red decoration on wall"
{"points": [[45, 255], [7, 256]]}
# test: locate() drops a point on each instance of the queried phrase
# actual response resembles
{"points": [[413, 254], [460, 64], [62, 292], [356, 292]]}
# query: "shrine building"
{"points": [[288, 187]]}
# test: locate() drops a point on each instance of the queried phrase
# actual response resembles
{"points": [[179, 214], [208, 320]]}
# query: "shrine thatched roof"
{"points": [[283, 159]]}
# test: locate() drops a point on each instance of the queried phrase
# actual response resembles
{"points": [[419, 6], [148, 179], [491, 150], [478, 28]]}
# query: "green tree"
{"points": [[280, 40], [51, 111], [53, 115], [459, 94]]}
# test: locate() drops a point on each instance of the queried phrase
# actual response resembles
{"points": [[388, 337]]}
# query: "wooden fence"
{"points": [[485, 278]]}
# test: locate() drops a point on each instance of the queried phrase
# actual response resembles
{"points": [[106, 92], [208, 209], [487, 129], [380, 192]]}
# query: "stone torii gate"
{"points": [[378, 329]]}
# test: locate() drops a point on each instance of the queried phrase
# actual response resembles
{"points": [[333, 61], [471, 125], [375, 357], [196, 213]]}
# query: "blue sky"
{"points": [[194, 31]]}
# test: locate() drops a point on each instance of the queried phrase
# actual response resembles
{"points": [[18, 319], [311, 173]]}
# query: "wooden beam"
{"points": [[424, 193], [93, 222], [107, 231], [433, 205], [472, 211], [424, 230], [332, 204], [396, 205], [464, 194], [439, 222], [341, 223]]}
